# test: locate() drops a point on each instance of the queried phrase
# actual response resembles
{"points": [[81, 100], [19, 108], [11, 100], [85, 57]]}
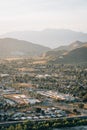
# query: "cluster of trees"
{"points": [[47, 125]]}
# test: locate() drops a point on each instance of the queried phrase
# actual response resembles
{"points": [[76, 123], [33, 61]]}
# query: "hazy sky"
{"points": [[16, 15]]}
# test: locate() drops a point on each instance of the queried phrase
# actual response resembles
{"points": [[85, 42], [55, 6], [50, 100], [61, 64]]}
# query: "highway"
{"points": [[7, 123]]}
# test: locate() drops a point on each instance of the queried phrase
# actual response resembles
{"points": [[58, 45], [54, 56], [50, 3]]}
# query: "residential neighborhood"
{"points": [[33, 91]]}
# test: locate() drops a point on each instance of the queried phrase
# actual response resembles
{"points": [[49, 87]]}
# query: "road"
{"points": [[7, 123]]}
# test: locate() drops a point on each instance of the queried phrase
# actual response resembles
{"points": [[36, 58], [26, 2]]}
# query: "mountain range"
{"points": [[52, 38], [78, 55], [73, 53]]}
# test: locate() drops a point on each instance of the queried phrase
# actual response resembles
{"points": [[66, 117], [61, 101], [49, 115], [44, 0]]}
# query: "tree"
{"points": [[11, 128], [18, 127], [85, 98], [81, 105], [25, 127], [75, 110]]}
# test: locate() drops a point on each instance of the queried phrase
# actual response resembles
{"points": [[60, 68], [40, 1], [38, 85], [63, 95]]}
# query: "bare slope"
{"points": [[78, 55], [15, 48], [73, 53]]}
